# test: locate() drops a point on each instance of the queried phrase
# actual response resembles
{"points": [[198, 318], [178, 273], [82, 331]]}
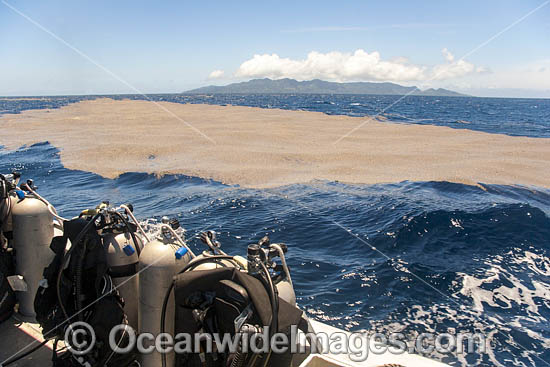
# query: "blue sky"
{"points": [[170, 46]]}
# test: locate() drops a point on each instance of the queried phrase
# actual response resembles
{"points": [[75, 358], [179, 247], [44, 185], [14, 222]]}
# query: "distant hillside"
{"points": [[316, 86]]}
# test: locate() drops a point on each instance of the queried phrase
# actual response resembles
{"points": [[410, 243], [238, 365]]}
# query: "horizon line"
{"points": [[183, 93]]}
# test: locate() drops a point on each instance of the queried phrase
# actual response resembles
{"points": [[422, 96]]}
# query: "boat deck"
{"points": [[18, 336]]}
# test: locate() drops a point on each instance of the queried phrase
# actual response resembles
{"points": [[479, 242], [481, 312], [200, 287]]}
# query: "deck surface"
{"points": [[15, 336]]}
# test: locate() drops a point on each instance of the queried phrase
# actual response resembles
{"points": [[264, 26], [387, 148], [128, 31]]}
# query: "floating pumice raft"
{"points": [[256, 147]]}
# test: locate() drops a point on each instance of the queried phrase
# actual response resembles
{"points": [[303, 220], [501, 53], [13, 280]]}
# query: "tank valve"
{"points": [[253, 254], [174, 223], [264, 242], [11, 180], [30, 184]]}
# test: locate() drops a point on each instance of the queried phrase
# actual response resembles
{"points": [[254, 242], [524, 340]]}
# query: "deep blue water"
{"points": [[511, 116], [411, 257]]}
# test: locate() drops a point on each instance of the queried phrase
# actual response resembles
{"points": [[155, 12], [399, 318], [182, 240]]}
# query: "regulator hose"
{"points": [[51, 208], [78, 284], [273, 299], [169, 291]]}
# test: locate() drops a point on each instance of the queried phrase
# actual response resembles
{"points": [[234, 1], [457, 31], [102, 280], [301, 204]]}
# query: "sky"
{"points": [[484, 48]]}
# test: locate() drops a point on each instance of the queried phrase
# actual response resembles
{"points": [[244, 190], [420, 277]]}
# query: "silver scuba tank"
{"points": [[218, 264], [286, 291], [122, 257], [284, 286], [159, 261], [33, 231]]}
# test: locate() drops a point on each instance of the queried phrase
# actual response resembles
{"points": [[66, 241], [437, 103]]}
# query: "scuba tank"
{"points": [[33, 230], [282, 280], [123, 246], [26, 229], [160, 260], [231, 296], [78, 285], [209, 239], [286, 291], [122, 257]]}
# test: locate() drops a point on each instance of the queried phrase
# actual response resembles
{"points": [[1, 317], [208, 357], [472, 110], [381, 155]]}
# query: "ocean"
{"points": [[411, 257]]}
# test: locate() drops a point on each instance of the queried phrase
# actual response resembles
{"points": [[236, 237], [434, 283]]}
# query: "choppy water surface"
{"points": [[411, 257]]}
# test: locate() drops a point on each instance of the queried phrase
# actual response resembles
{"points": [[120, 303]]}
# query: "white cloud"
{"points": [[357, 66], [526, 80], [216, 74], [453, 69], [331, 66], [534, 75], [448, 55]]}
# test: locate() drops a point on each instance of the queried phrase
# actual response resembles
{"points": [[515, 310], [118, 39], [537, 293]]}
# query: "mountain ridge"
{"points": [[317, 86]]}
